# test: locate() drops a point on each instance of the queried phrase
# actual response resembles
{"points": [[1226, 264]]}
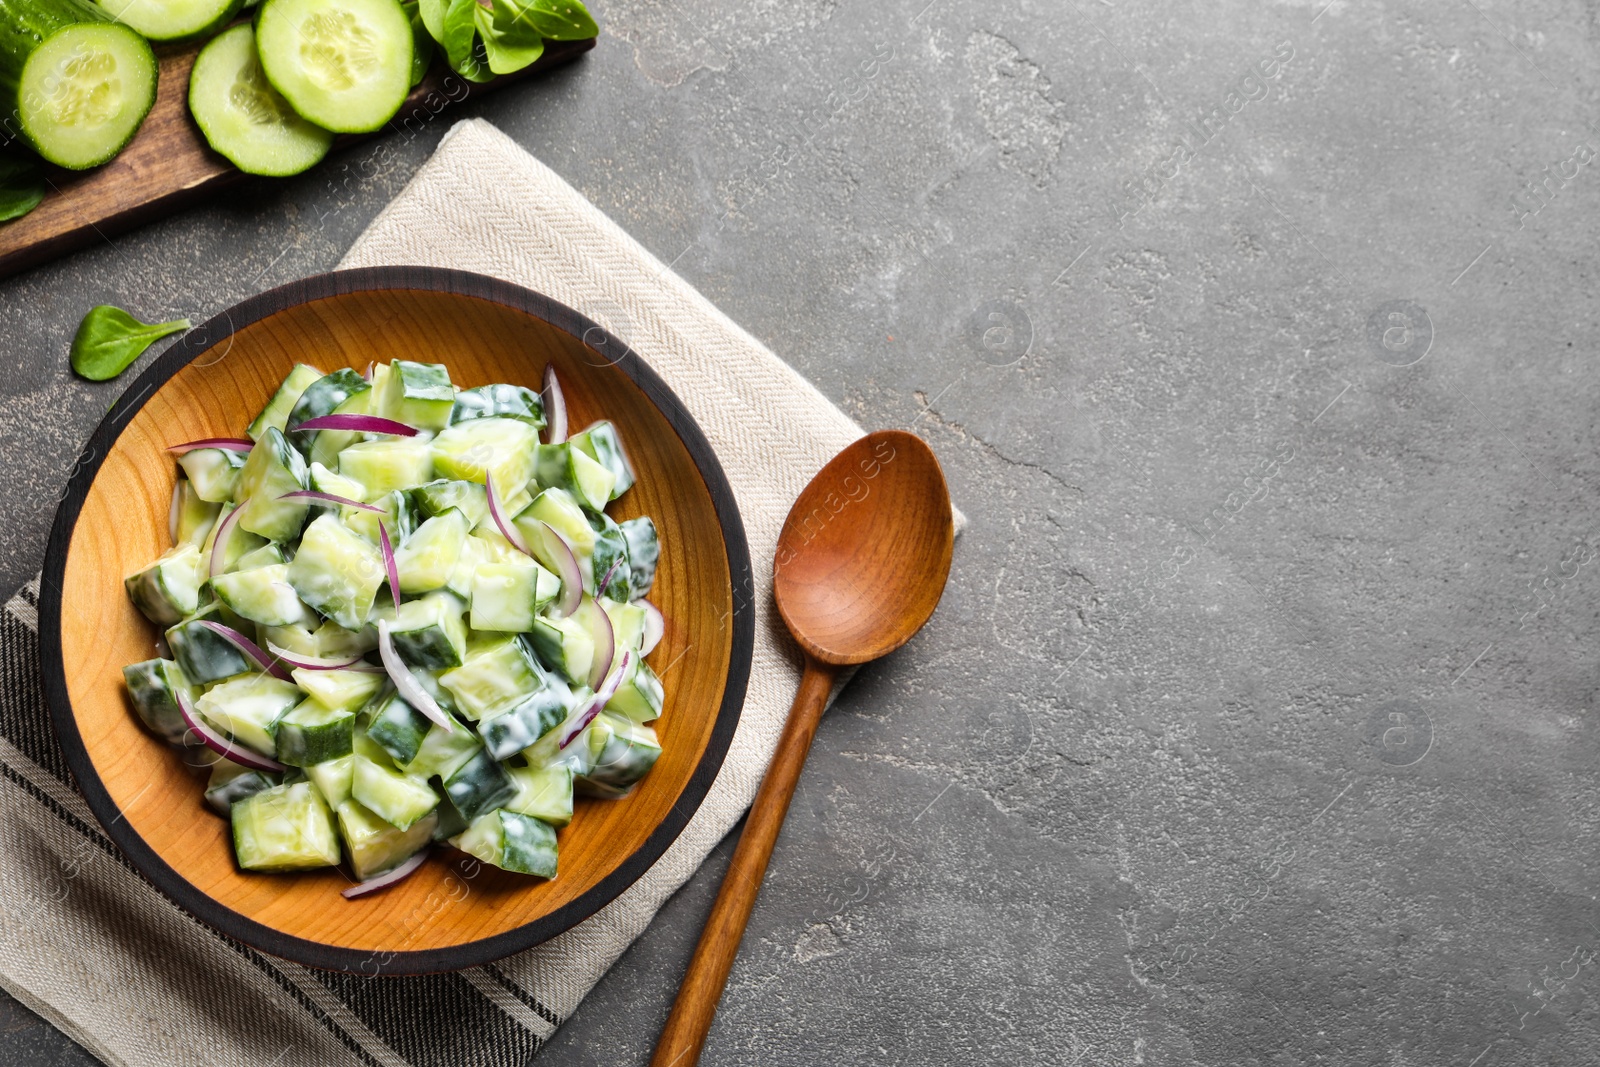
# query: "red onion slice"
{"points": [[219, 744], [555, 405], [601, 699], [604, 583], [508, 530], [384, 881], [321, 663], [558, 555], [655, 627], [248, 647], [328, 498], [219, 543], [232, 444], [592, 617], [359, 424], [173, 509], [390, 565], [406, 683]]}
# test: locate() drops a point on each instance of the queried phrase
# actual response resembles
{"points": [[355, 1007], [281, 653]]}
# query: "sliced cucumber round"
{"points": [[343, 64], [173, 20], [81, 87], [244, 117]]}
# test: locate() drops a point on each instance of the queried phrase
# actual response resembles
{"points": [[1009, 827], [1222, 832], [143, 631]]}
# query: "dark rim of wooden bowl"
{"points": [[149, 863]]}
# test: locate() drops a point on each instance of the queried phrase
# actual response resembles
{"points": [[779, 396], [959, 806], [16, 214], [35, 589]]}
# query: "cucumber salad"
{"points": [[394, 618]]}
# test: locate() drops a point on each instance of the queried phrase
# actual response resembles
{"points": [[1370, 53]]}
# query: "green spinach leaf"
{"points": [[562, 20], [109, 339], [22, 185]]}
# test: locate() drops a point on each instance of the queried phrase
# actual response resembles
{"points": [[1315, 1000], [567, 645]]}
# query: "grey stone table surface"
{"points": [[1258, 341]]}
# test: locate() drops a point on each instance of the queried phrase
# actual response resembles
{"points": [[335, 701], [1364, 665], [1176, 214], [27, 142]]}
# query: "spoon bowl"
{"points": [[865, 551]]}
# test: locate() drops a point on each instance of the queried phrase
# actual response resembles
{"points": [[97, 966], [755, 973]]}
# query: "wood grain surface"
{"points": [[156, 805], [169, 166]]}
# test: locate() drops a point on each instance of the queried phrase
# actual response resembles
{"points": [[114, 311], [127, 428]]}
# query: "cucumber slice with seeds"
{"points": [[243, 117], [76, 85], [173, 20], [343, 64]]}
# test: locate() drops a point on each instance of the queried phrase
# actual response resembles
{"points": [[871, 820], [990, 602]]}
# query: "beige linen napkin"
{"points": [[88, 944]]}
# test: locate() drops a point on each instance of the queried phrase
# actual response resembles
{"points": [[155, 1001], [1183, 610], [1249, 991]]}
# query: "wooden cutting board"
{"points": [[169, 166]]}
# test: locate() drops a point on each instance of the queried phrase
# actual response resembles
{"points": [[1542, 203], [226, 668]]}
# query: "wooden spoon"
{"points": [[861, 563]]}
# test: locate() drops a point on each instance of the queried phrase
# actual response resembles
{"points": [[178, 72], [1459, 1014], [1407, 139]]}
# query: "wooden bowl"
{"points": [[454, 912]]}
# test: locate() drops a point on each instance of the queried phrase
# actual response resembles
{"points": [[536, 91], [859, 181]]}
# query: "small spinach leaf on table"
{"points": [[109, 339]]}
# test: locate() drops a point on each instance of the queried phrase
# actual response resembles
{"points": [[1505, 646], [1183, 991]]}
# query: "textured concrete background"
{"points": [[1254, 727]]}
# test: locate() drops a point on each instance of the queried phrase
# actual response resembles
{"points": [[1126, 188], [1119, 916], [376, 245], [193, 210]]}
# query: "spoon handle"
{"points": [[686, 1029]]}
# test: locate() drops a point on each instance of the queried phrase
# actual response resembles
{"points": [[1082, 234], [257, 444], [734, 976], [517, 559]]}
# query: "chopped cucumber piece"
{"points": [[640, 695], [559, 510], [494, 677], [511, 842], [324, 480], [397, 512], [262, 595], [417, 394], [501, 447], [565, 466], [397, 798], [627, 623], [231, 782], [564, 645], [374, 845], [499, 401], [314, 733], [73, 83], [333, 779], [285, 828], [508, 596], [510, 732], [544, 793], [627, 751], [239, 543], [273, 469], [443, 752], [337, 572], [428, 633], [348, 690], [173, 20], [601, 443], [204, 654], [438, 497], [248, 709], [276, 413], [169, 588], [429, 555], [478, 786], [383, 466], [242, 116], [214, 472], [608, 560], [268, 555], [343, 64], [644, 549], [154, 686], [396, 726], [342, 392], [194, 517]]}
